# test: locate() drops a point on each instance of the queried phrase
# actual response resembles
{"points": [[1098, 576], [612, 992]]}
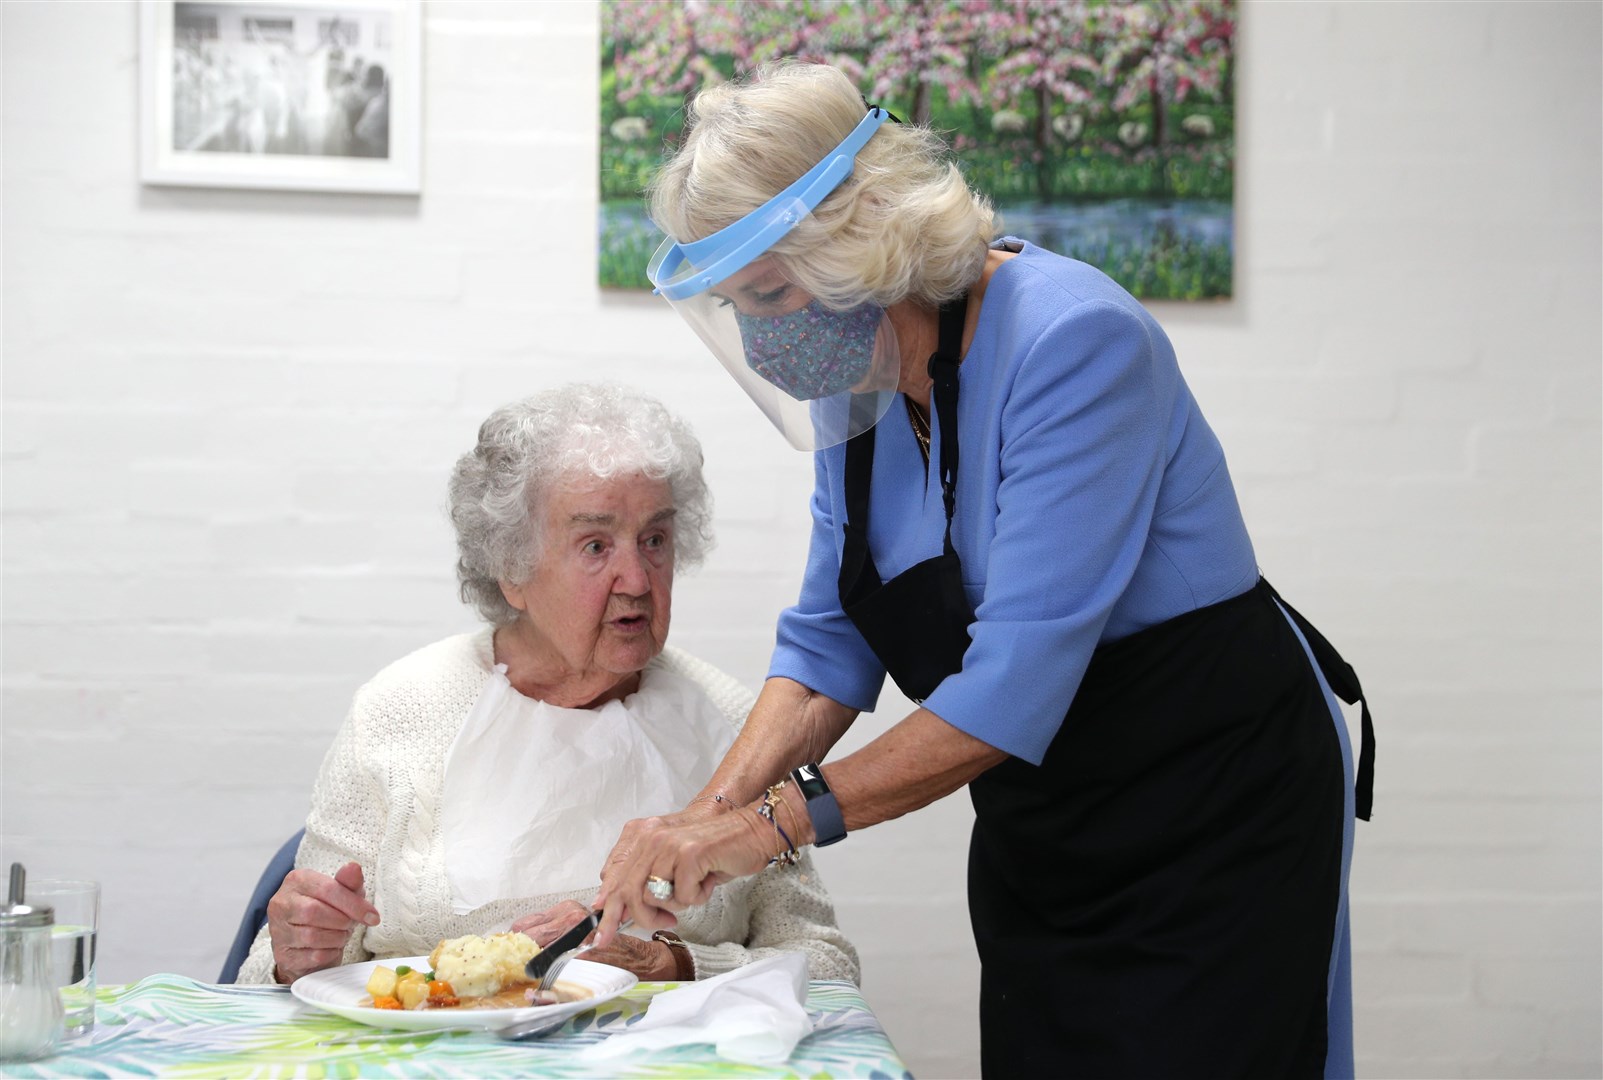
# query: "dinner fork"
{"points": [[548, 963]]}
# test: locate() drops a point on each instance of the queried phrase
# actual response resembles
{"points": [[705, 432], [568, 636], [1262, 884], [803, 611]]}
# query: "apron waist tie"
{"points": [[1343, 682]]}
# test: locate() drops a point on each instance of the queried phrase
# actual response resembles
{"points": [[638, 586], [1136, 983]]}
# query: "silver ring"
{"points": [[661, 888]]}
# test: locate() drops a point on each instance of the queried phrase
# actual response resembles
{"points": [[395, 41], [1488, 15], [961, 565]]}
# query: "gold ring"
{"points": [[659, 887]]}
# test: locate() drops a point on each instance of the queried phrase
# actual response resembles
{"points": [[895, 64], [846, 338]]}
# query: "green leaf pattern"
{"points": [[172, 1026]]}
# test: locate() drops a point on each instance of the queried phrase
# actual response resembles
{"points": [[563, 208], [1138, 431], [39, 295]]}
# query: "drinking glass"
{"points": [[72, 947]]}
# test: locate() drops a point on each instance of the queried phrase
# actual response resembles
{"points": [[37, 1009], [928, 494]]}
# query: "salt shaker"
{"points": [[30, 1008]]}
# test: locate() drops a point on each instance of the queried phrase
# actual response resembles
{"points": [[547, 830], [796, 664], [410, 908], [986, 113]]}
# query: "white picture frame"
{"points": [[306, 95]]}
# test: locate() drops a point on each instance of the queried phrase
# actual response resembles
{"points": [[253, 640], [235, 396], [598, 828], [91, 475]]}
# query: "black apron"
{"points": [[1159, 896]]}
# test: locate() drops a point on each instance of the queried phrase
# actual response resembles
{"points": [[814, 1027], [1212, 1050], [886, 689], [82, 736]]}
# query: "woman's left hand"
{"points": [[696, 856], [650, 960]]}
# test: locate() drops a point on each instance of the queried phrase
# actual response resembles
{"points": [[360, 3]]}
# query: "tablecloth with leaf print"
{"points": [[169, 1025]]}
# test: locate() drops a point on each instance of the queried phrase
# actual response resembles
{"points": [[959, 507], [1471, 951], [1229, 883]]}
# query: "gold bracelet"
{"points": [[788, 855], [779, 800]]}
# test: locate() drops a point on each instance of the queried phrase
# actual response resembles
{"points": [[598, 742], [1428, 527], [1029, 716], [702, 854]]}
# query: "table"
{"points": [[170, 1025]]}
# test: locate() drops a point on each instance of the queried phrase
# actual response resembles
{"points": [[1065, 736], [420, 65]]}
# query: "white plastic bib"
{"points": [[535, 796]]}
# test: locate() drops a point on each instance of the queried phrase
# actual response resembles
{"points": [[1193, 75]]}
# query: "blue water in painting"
{"points": [[1081, 226], [626, 220]]}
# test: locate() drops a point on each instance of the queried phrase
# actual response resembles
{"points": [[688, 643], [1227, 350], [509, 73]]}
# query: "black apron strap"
{"points": [[943, 370], [859, 576], [1343, 682], [916, 623], [857, 570]]}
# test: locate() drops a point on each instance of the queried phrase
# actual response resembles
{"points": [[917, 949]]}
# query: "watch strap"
{"points": [[684, 963], [829, 827]]}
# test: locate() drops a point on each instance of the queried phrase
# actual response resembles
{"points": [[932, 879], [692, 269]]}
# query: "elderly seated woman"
{"points": [[480, 781]]}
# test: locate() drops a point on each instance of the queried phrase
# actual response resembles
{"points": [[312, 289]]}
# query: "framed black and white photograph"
{"points": [[294, 95]]}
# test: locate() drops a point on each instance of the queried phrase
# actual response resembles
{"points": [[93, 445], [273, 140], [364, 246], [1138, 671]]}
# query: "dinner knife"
{"points": [[541, 962]]}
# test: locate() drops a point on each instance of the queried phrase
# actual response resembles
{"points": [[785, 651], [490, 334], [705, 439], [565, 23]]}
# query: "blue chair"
{"points": [[256, 914]]}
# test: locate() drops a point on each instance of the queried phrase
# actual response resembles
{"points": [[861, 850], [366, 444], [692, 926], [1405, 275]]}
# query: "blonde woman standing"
{"points": [[1163, 786]]}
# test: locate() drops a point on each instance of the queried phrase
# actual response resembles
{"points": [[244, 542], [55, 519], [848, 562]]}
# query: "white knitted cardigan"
{"points": [[377, 800]]}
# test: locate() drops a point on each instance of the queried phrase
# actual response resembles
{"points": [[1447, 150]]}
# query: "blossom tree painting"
{"points": [[1102, 130]]}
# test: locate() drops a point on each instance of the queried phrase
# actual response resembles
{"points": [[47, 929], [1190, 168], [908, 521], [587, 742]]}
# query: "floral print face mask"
{"points": [[812, 352]]}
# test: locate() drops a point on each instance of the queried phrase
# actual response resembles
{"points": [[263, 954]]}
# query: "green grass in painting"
{"points": [[1008, 175], [1086, 174], [622, 255]]}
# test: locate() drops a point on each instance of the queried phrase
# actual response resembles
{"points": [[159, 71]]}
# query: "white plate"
{"points": [[343, 992]]}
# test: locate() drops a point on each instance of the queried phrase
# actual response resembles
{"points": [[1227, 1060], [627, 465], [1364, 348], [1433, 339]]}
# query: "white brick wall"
{"points": [[229, 415]]}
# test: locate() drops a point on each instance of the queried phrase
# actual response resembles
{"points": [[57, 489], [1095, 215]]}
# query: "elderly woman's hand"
{"points": [[548, 925], [311, 917], [696, 854], [650, 960]]}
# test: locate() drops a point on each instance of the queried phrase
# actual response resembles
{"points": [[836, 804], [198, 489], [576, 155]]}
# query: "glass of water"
{"points": [[72, 947]]}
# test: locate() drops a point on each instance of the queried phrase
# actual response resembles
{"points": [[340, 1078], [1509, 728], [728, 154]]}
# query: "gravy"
{"points": [[511, 997]]}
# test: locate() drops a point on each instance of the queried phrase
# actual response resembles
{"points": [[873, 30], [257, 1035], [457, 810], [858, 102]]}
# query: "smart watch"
{"points": [[828, 826]]}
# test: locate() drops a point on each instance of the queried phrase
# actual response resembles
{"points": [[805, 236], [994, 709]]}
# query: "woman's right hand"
{"points": [[695, 855], [311, 916], [701, 808]]}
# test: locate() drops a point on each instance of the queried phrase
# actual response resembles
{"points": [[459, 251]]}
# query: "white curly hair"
{"points": [[580, 431]]}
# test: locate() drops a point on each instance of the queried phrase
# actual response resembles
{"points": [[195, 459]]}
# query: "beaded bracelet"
{"points": [[789, 855]]}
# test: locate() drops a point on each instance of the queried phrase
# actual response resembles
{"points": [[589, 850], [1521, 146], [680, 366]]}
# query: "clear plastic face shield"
{"points": [[821, 376]]}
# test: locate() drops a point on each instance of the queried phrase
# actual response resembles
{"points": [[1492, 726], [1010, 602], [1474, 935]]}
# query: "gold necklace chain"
{"points": [[921, 428]]}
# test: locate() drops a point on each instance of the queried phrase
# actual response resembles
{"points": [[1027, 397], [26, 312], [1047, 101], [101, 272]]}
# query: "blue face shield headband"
{"points": [[820, 375], [678, 271]]}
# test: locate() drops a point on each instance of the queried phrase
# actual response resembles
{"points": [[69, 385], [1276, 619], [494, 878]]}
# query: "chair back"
{"points": [[256, 913]]}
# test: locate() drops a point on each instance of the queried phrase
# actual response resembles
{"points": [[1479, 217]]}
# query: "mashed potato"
{"points": [[480, 966]]}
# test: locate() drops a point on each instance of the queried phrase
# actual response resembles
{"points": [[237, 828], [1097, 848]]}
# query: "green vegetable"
{"points": [[401, 970]]}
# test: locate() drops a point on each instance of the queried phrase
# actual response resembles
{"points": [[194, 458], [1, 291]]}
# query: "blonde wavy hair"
{"points": [[904, 225]]}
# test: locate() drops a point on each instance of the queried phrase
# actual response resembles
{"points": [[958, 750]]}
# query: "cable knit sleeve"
{"points": [[346, 824], [787, 910]]}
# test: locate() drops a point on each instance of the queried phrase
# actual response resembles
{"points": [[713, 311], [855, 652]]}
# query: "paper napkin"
{"points": [[752, 1014]]}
